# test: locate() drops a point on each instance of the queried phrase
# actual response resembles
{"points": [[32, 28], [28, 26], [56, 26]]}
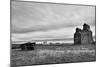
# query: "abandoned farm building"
{"points": [[83, 36]]}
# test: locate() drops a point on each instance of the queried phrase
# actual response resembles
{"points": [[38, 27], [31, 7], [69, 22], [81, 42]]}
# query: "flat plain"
{"points": [[53, 54]]}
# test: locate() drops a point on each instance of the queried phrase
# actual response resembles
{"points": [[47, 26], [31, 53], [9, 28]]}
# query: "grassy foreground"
{"points": [[49, 54]]}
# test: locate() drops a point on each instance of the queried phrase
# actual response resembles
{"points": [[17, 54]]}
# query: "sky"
{"points": [[48, 21]]}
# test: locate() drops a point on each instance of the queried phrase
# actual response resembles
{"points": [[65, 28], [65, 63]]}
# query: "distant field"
{"points": [[49, 54]]}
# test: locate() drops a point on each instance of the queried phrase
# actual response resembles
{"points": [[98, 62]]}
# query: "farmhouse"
{"points": [[83, 36]]}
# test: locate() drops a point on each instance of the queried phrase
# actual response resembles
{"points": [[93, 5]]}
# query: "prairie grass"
{"points": [[49, 54]]}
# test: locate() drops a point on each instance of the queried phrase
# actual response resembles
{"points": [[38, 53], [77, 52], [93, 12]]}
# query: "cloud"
{"points": [[29, 17], [66, 33], [40, 21], [60, 33]]}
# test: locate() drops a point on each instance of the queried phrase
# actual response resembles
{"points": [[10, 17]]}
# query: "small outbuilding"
{"points": [[27, 46]]}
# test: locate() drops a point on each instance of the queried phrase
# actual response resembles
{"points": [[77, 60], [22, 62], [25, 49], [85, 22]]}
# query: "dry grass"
{"points": [[53, 54]]}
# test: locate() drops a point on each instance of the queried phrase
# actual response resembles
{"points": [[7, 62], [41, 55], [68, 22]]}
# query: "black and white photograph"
{"points": [[52, 33]]}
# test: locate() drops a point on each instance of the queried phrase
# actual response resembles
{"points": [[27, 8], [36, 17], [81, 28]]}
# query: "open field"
{"points": [[50, 54]]}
